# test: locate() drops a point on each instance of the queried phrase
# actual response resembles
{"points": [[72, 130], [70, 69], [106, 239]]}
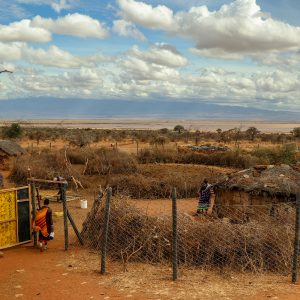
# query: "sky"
{"points": [[229, 52]]}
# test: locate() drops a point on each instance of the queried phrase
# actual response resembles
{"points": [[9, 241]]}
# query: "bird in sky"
{"points": [[6, 71]]}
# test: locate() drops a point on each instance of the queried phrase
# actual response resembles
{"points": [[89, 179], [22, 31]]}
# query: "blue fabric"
{"points": [[205, 196]]}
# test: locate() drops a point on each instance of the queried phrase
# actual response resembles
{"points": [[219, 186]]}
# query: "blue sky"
{"points": [[236, 52]]}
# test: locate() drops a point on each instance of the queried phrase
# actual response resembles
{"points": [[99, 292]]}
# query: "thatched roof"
{"points": [[11, 148], [282, 180]]}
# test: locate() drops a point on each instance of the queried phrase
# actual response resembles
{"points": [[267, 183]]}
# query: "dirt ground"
{"points": [[74, 274]]}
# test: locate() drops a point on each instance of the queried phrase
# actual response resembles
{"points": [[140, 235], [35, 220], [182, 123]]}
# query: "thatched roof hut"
{"points": [[256, 188], [273, 181], [10, 148]]}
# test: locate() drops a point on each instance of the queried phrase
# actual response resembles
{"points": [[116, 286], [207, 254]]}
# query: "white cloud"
{"points": [[56, 57], [125, 28], [11, 51], [159, 71], [160, 54], [79, 83], [279, 59], [10, 10], [140, 70], [132, 76], [159, 62], [72, 24], [59, 58], [61, 5], [159, 17], [234, 31], [57, 5], [22, 31]]}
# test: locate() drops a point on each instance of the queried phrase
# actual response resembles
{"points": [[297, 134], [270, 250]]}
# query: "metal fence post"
{"points": [[174, 239], [65, 209], [33, 203], [296, 241], [105, 232]]}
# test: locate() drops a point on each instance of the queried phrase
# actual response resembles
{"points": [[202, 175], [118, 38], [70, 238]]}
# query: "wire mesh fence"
{"points": [[253, 238]]}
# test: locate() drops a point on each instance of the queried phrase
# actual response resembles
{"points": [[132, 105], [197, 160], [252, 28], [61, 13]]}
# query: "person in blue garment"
{"points": [[206, 195]]}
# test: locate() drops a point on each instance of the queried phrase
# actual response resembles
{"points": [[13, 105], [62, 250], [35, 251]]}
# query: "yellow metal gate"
{"points": [[15, 216]]}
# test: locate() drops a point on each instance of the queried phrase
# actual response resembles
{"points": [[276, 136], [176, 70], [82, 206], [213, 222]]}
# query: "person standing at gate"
{"points": [[43, 224], [206, 198], [60, 186]]}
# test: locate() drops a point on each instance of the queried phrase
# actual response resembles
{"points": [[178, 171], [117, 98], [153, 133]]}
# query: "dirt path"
{"points": [[28, 274]]}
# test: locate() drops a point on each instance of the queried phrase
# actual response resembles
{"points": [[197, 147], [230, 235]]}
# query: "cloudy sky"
{"points": [[235, 52]]}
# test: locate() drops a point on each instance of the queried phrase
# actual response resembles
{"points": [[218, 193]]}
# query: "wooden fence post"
{"points": [[296, 241], [65, 209], [105, 232], [174, 239]]}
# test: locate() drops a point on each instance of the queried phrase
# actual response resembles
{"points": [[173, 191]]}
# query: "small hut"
{"points": [[9, 149], [269, 189]]}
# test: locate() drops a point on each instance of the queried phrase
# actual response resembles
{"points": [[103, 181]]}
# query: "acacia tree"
{"points": [[13, 131], [179, 128], [219, 133], [252, 133], [296, 132]]}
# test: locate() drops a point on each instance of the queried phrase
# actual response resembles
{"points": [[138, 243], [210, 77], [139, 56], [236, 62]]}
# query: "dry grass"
{"points": [[154, 281]]}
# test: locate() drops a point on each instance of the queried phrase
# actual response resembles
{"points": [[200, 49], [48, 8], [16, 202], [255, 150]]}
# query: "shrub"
{"points": [[179, 128], [104, 161], [234, 158], [77, 156], [296, 132], [13, 131], [44, 165], [277, 155], [158, 155]]}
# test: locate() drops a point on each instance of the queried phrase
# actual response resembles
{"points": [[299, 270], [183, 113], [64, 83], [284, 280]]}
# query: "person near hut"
{"points": [[206, 196], [43, 224]]}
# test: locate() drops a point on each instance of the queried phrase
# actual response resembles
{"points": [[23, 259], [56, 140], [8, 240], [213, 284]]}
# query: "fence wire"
{"points": [[240, 238]]}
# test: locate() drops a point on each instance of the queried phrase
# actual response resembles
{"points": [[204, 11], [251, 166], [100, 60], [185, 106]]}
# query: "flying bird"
{"points": [[6, 71]]}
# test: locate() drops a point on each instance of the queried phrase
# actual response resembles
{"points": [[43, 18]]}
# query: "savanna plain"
{"points": [[142, 161]]}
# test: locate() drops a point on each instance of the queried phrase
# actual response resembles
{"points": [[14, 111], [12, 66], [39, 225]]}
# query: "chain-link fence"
{"points": [[253, 238]]}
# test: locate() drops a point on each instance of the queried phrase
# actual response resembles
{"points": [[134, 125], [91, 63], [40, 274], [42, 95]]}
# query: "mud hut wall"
{"points": [[272, 206], [232, 197], [231, 204], [262, 200]]}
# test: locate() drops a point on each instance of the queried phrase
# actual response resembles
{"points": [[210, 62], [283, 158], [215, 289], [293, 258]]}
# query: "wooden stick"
{"points": [[74, 227], [46, 181], [65, 209]]}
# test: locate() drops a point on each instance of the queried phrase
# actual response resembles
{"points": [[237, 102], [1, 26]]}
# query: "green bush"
{"points": [[13, 131], [285, 154]]}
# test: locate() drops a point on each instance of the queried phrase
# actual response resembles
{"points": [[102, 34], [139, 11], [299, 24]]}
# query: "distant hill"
{"points": [[50, 108]]}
